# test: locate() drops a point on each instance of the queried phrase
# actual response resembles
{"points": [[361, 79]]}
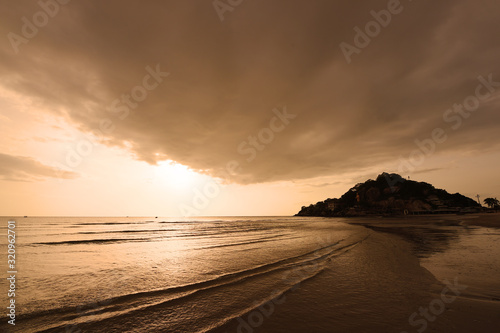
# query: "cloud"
{"points": [[19, 168], [227, 77], [429, 170]]}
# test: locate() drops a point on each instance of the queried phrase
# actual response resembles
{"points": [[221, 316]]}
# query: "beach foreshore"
{"points": [[245, 275], [461, 247], [436, 273]]}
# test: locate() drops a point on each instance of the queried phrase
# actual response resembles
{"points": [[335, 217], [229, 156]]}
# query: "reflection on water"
{"points": [[464, 247], [428, 235], [118, 273], [426, 240]]}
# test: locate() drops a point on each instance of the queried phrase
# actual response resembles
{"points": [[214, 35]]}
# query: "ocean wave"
{"points": [[95, 241], [118, 308]]}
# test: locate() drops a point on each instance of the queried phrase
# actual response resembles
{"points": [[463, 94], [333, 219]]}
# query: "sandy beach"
{"points": [[413, 274], [465, 248]]}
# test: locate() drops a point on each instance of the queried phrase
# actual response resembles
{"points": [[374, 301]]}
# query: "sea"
{"points": [[162, 274], [211, 274]]}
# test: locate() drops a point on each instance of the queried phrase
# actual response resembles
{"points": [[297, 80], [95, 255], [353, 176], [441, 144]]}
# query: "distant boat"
{"points": [[156, 217], [25, 216]]}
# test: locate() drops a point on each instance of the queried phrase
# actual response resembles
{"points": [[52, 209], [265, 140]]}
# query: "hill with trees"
{"points": [[391, 194]]}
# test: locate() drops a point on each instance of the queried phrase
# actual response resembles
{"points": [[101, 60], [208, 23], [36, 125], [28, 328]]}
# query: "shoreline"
{"points": [[382, 284], [374, 287], [462, 247], [326, 275]]}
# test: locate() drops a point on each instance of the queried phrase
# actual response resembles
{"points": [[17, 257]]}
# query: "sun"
{"points": [[174, 175]]}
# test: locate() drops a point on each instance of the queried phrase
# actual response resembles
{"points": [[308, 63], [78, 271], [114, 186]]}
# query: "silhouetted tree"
{"points": [[492, 202]]}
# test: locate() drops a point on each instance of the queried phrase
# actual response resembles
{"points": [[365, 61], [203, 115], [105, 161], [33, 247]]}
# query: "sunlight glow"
{"points": [[175, 175]]}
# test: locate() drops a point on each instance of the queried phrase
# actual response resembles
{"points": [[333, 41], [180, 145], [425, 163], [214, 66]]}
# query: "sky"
{"points": [[186, 108]]}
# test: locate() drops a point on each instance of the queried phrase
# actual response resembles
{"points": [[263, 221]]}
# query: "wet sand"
{"points": [[413, 274], [465, 248]]}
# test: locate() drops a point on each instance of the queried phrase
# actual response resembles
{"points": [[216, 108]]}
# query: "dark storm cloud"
{"points": [[20, 168], [227, 77]]}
